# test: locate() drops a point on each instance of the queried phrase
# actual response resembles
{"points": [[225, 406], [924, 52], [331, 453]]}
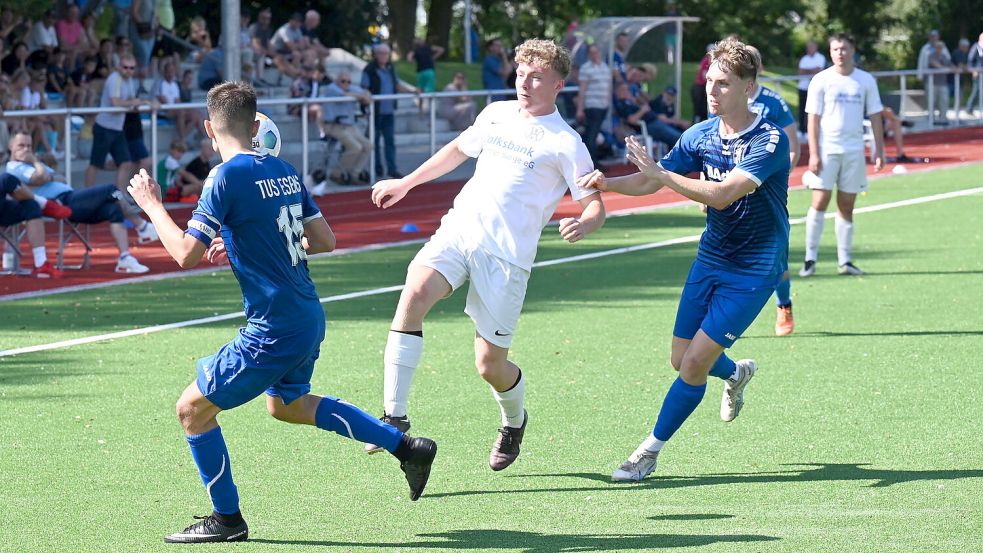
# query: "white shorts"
{"points": [[847, 171], [497, 290]]}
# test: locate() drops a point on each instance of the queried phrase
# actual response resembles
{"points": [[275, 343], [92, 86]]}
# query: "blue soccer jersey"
{"points": [[260, 205], [750, 236], [770, 105]]}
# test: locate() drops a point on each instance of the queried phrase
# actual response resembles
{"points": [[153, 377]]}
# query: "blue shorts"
{"points": [[721, 303], [137, 148], [252, 363], [13, 211], [108, 141]]}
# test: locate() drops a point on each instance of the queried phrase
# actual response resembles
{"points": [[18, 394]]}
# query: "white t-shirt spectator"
{"points": [[841, 101], [525, 165], [116, 87], [597, 77], [284, 36], [29, 98], [41, 37], [815, 61], [168, 91]]}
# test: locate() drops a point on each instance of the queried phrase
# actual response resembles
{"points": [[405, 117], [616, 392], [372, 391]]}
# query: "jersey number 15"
{"points": [[291, 225]]}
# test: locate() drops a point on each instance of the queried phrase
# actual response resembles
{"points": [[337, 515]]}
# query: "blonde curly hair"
{"points": [[544, 53]]}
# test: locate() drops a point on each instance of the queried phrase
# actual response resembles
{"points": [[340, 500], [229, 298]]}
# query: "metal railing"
{"points": [[927, 76], [432, 98]]}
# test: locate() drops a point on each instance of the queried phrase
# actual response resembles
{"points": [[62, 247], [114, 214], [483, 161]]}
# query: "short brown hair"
{"points": [[544, 53], [232, 108], [735, 57], [845, 37]]}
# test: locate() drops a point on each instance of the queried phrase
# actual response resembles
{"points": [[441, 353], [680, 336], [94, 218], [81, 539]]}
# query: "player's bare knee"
{"points": [[675, 360]]}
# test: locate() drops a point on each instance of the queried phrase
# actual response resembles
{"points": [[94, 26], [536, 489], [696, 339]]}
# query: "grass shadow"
{"points": [[538, 542]]}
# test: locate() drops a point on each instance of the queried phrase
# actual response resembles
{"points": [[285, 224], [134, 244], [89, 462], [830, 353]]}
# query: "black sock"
{"points": [[233, 520], [403, 450]]}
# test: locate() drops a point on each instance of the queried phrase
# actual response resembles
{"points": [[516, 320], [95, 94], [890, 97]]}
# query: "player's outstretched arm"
{"points": [[636, 184], [318, 236], [386, 193], [591, 218], [184, 248]]}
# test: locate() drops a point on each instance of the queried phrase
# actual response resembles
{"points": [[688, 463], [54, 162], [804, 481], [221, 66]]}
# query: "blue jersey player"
{"points": [[255, 212], [744, 161]]}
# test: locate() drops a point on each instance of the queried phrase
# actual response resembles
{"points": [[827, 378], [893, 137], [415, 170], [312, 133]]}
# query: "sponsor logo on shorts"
{"points": [[497, 333], [204, 371]]}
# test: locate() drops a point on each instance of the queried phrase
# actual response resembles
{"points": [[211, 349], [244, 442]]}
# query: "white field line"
{"points": [[388, 289]]}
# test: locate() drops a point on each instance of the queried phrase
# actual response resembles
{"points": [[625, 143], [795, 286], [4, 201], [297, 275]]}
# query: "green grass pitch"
{"points": [[860, 432]]}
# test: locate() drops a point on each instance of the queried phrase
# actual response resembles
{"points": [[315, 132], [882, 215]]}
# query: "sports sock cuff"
{"points": [[230, 520], [204, 437], [514, 384], [409, 332]]}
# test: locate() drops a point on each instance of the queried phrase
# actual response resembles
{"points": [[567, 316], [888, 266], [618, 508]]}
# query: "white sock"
{"points": [[512, 403], [41, 201], [40, 256], [651, 445], [844, 239], [814, 232], [402, 356]]}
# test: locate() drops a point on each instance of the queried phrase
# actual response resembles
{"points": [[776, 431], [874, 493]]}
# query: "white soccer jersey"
{"points": [[841, 101], [525, 164]]}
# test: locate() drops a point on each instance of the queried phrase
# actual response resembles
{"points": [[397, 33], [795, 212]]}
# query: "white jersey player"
{"points": [[528, 157]]}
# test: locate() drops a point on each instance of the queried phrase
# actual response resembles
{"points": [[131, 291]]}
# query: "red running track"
{"points": [[357, 222]]}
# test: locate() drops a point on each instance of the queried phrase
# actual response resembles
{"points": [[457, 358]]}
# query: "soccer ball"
{"points": [[267, 139]]}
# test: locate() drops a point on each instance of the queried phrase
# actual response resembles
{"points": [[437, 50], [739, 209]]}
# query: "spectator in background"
{"points": [[379, 77], [105, 61], [165, 14], [495, 68], [43, 35], [638, 80], [142, 17], [698, 92], [165, 50], [122, 46], [425, 55], [210, 70], [974, 62], [121, 17], [16, 59], [619, 58], [811, 63], [960, 60], [338, 122], [288, 46], [199, 36], [21, 207], [85, 92], [42, 127], [634, 113], [309, 85], [13, 27], [201, 165], [313, 47], [260, 33], [107, 133], [940, 59], [927, 50], [97, 204], [57, 73], [664, 108], [177, 184], [71, 35], [460, 110], [167, 91], [91, 40], [594, 98]]}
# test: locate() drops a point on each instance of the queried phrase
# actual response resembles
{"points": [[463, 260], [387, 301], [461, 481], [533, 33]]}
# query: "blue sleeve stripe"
{"points": [[312, 217], [199, 235]]}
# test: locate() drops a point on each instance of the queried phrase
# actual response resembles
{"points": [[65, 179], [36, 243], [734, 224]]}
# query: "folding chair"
{"points": [[66, 231]]}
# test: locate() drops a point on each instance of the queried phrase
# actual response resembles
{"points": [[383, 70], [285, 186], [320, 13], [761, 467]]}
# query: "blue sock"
{"points": [[344, 418], [783, 294], [724, 367], [678, 405], [212, 458]]}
